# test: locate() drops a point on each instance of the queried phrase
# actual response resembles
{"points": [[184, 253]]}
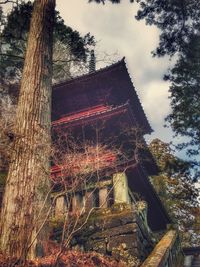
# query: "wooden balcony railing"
{"points": [[167, 253]]}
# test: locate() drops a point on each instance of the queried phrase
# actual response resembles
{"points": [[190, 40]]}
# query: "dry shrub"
{"points": [[70, 258]]}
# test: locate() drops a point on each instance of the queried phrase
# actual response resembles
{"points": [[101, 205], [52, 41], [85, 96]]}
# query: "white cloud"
{"points": [[156, 102]]}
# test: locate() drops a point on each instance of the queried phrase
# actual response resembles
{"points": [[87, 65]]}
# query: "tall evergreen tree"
{"points": [[176, 189], [179, 22], [25, 203], [185, 96]]}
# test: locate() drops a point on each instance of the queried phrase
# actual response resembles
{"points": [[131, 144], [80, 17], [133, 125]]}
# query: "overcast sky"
{"points": [[116, 30]]}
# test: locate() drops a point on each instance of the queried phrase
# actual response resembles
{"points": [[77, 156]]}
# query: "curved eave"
{"points": [[87, 118]]}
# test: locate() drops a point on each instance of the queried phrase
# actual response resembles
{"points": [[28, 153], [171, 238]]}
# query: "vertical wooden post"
{"points": [[60, 207], [120, 188], [89, 201], [77, 202], [103, 197]]}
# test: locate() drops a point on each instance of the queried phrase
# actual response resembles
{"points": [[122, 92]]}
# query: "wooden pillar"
{"points": [[89, 200], [188, 260], [77, 202], [60, 207], [120, 188], [103, 197]]}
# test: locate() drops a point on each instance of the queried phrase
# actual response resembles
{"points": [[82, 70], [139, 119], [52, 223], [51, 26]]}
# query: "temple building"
{"points": [[106, 100], [102, 163]]}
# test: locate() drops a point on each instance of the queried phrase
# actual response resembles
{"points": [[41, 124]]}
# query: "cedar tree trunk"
{"points": [[25, 203]]}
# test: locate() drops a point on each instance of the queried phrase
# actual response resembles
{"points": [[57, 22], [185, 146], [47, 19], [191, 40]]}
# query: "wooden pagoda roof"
{"points": [[113, 86]]}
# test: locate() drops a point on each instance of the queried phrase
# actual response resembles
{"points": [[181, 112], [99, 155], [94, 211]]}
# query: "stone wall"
{"points": [[118, 231]]}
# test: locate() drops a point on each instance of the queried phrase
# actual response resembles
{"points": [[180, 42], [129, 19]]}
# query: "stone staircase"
{"points": [[196, 262]]}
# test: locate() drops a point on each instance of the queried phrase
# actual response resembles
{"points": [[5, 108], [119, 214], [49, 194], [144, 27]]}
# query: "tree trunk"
{"points": [[27, 189]]}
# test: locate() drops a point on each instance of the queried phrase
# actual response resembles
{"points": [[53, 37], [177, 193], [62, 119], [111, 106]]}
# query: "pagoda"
{"points": [[103, 115]]}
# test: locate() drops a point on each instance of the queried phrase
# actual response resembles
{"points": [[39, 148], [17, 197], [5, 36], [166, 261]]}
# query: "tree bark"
{"points": [[23, 213]]}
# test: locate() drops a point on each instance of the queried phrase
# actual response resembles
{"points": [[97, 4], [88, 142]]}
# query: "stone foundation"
{"points": [[118, 231]]}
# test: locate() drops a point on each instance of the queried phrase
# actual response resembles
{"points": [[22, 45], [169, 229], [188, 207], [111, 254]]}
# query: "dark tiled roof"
{"points": [[113, 81]]}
